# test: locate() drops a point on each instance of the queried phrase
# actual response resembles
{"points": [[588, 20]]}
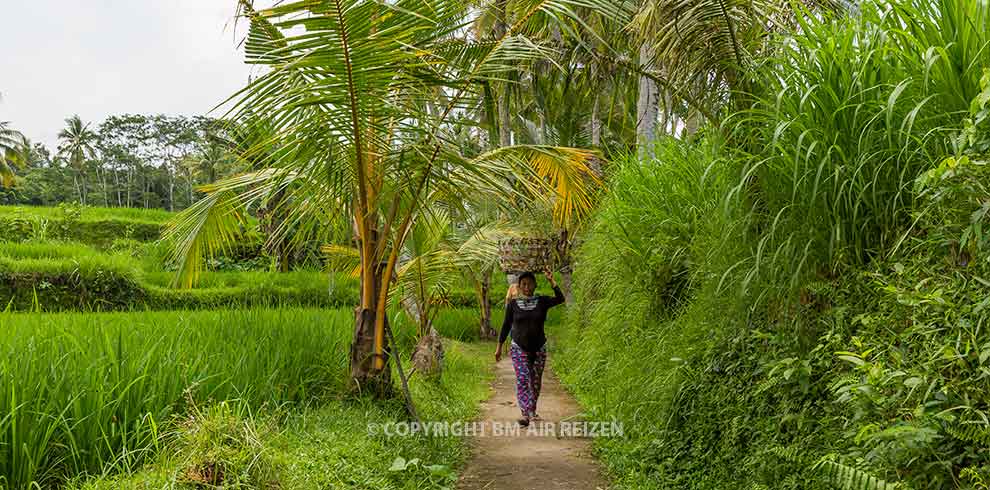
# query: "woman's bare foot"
{"points": [[524, 422], [535, 417]]}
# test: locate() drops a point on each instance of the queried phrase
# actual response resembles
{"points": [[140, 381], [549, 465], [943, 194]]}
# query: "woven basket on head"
{"points": [[517, 255]]}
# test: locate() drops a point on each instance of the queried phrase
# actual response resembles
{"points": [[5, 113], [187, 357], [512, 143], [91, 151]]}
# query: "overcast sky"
{"points": [[101, 57]]}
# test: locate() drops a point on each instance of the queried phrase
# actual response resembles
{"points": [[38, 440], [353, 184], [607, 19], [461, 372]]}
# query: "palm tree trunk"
{"points": [[504, 133], [106, 188], [646, 104], [567, 285], [504, 119], [596, 123], [171, 190], [116, 185], [82, 185], [667, 121], [483, 288], [691, 124], [369, 344], [563, 253], [75, 183]]}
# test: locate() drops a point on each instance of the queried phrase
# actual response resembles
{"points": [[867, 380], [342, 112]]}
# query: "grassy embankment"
{"points": [[79, 259], [806, 306]]}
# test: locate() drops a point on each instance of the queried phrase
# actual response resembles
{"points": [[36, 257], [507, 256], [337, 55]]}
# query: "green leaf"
{"points": [[852, 359]]}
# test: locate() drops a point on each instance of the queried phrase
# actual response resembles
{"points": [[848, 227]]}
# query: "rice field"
{"points": [[81, 391], [91, 213]]}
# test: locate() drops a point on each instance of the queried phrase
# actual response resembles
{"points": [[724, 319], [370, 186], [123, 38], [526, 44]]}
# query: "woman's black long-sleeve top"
{"points": [[525, 317]]}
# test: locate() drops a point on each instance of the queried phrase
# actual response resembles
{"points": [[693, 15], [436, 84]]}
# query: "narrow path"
{"points": [[537, 459]]}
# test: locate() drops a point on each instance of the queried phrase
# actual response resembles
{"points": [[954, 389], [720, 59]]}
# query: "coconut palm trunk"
{"points": [[483, 288], [647, 103], [596, 122], [369, 349]]}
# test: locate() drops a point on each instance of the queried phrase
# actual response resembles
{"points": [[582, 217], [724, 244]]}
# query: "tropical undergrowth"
{"points": [[806, 302]]}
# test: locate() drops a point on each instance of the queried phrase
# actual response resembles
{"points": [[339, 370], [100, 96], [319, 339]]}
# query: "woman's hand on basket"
{"points": [[549, 275]]}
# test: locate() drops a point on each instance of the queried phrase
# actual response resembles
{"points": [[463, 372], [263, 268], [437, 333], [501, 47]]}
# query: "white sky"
{"points": [[101, 57]]}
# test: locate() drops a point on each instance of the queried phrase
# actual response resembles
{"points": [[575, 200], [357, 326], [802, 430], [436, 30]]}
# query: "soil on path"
{"points": [[535, 458]]}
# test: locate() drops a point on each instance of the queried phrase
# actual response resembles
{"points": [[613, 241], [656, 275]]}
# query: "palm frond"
{"points": [[204, 230], [15, 153], [559, 177], [213, 224], [340, 258]]}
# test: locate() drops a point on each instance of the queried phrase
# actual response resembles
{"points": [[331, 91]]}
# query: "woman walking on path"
{"points": [[524, 317]]}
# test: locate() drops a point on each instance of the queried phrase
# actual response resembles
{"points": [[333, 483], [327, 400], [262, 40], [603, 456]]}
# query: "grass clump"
{"points": [[223, 446]]}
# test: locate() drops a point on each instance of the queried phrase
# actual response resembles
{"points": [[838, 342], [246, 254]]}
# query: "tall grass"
{"points": [[326, 445], [855, 109], [756, 297], [83, 390], [653, 249]]}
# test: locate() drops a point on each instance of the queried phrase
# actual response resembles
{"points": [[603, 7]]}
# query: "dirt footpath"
{"points": [[541, 457]]}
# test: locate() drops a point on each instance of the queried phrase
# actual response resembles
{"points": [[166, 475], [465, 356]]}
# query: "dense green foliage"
{"points": [[129, 160], [805, 305]]}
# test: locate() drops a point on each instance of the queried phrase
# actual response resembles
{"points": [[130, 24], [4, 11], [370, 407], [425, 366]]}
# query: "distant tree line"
{"points": [[131, 160]]}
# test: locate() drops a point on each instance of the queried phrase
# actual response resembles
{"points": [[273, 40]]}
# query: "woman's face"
{"points": [[527, 286]]}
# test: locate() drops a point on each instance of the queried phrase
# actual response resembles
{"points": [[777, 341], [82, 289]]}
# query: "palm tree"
{"points": [[13, 146], [357, 95], [700, 53], [205, 165], [77, 145]]}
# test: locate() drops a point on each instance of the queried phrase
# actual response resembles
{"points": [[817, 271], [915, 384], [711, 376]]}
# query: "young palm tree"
{"points": [[77, 145], [357, 95]]}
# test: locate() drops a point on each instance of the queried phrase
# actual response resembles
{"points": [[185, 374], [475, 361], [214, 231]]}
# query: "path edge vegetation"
{"points": [[798, 299]]}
